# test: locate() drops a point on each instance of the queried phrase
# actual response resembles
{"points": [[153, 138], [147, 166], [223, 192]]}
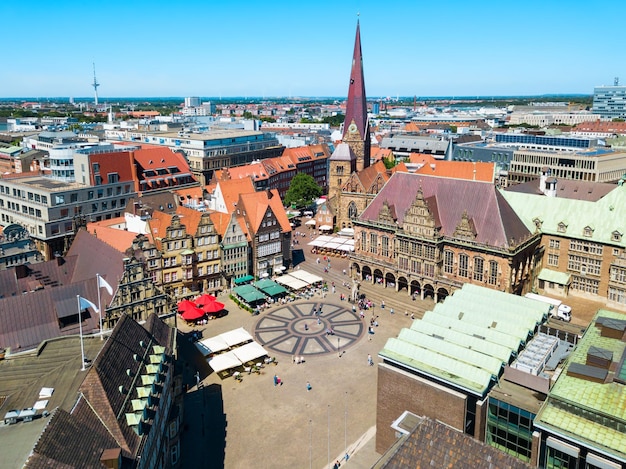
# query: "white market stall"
{"points": [[236, 337], [306, 276], [291, 282], [212, 345], [249, 352], [224, 361]]}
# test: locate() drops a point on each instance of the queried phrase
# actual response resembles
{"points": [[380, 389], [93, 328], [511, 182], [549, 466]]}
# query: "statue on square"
{"points": [[355, 290]]}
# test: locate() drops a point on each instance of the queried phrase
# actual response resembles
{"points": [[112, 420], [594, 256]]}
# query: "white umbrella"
{"points": [[311, 222]]}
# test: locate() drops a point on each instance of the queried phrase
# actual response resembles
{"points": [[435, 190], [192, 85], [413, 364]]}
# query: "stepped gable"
{"points": [[495, 221]]}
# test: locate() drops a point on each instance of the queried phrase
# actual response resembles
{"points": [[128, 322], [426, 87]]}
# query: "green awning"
{"points": [[269, 287], [249, 293], [244, 279], [561, 278]]}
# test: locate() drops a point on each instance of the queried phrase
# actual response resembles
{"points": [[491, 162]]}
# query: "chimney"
{"points": [[550, 190], [21, 271], [111, 458]]}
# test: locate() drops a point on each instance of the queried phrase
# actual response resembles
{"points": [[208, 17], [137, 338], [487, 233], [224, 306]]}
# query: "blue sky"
{"points": [[291, 48]]}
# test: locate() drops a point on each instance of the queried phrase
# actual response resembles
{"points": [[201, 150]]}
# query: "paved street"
{"points": [[253, 423]]}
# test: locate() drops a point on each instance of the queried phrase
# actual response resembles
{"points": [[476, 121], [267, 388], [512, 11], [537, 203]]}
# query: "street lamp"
{"points": [[338, 352], [345, 422], [328, 413]]}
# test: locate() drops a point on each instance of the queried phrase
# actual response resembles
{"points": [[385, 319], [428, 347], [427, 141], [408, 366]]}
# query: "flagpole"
{"points": [[80, 324], [99, 306]]}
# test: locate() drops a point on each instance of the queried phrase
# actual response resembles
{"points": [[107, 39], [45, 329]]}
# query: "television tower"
{"points": [[95, 86]]}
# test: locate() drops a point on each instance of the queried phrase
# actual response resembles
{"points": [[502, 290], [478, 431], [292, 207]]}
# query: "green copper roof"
{"points": [[591, 412], [606, 216], [467, 339], [547, 275]]}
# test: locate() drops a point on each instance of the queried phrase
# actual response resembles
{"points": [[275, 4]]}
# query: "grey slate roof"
{"points": [[495, 221], [343, 152]]}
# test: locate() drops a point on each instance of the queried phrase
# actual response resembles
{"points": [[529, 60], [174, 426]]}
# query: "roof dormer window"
{"points": [[616, 236], [562, 227], [588, 231]]}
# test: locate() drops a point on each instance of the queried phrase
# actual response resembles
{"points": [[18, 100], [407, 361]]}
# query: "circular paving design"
{"points": [[294, 329]]}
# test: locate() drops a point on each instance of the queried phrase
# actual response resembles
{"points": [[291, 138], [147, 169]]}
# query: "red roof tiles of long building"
{"points": [[476, 171]]}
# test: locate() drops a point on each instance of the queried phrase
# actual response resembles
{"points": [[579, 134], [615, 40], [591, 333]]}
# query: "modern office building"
{"points": [[444, 365], [594, 164], [208, 151], [609, 102]]}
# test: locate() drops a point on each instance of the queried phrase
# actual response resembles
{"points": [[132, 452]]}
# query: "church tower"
{"points": [[356, 130]]}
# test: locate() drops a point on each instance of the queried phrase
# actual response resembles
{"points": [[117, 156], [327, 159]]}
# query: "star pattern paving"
{"points": [[295, 329]]}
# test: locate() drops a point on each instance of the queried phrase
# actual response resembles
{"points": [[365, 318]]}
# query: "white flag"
{"points": [[84, 304], [102, 283]]}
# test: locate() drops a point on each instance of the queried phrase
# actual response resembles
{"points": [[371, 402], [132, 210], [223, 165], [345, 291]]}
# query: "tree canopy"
{"points": [[302, 191]]}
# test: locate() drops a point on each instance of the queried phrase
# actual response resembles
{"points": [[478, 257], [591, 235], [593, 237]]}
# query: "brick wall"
{"points": [[399, 391]]}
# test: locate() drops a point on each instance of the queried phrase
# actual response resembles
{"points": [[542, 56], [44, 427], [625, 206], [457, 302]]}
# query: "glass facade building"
{"points": [[610, 101]]}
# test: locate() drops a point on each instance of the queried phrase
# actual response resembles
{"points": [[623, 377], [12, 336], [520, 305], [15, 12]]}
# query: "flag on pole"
{"points": [[84, 304], [102, 283]]}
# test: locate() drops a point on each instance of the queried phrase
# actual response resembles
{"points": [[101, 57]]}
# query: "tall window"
{"points": [[373, 242], [493, 273], [384, 241], [363, 241], [448, 262], [463, 265], [479, 269]]}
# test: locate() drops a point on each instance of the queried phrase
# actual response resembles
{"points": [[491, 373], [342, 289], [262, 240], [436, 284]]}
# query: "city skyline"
{"points": [[286, 50]]}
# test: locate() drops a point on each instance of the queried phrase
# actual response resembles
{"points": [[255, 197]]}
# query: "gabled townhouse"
{"points": [[268, 229], [185, 258], [234, 244]]}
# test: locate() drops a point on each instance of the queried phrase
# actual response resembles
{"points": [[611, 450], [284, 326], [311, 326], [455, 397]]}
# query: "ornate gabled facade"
{"points": [[185, 260], [430, 235], [136, 295]]}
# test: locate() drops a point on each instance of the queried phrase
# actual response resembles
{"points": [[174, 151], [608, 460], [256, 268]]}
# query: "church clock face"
{"points": [[352, 128]]}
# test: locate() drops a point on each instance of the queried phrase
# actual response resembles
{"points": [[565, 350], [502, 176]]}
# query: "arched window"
{"points": [[352, 210]]}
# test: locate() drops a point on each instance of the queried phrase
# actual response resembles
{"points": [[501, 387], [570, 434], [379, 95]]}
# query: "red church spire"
{"points": [[356, 106]]}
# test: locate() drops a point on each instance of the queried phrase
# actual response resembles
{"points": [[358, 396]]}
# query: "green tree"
{"points": [[303, 190], [389, 162]]}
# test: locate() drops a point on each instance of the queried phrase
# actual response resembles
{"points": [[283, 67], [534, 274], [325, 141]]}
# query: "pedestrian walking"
{"points": [[308, 386], [370, 362]]}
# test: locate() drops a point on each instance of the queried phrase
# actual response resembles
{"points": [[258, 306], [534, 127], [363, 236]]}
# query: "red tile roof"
{"points": [[476, 171]]}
